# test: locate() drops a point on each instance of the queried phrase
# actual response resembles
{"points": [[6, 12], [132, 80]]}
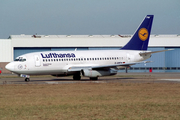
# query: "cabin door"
{"points": [[37, 61], [128, 57]]}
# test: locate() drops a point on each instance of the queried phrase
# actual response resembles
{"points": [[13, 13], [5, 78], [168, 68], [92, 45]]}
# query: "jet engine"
{"points": [[97, 73]]}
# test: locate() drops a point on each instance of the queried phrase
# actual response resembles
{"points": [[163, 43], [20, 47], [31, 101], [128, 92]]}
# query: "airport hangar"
{"points": [[168, 61]]}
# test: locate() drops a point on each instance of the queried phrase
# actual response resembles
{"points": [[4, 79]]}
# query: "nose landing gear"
{"points": [[27, 77]]}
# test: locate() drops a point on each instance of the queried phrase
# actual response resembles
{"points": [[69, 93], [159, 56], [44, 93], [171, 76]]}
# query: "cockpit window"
{"points": [[21, 59]]}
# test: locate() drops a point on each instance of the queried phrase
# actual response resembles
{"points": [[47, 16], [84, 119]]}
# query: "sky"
{"points": [[86, 17]]}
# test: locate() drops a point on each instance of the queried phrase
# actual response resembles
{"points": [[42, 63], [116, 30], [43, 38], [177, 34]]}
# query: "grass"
{"points": [[90, 101]]}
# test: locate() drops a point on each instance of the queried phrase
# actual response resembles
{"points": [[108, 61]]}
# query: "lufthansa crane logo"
{"points": [[20, 66], [143, 34]]}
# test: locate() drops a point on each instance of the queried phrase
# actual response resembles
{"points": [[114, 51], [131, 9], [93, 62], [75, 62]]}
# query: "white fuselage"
{"points": [[58, 62]]}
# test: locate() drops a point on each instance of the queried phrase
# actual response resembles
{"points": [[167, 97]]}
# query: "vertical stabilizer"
{"points": [[140, 39]]}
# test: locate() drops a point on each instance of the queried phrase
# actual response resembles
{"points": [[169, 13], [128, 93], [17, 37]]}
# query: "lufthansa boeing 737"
{"points": [[92, 64]]}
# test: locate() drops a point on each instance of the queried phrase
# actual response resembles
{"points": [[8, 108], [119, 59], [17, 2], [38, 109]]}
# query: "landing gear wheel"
{"points": [[93, 78], [76, 77], [27, 79]]}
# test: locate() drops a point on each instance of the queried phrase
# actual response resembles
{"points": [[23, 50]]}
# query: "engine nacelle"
{"points": [[98, 73]]}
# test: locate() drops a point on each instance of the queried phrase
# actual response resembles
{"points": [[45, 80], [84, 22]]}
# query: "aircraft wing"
{"points": [[145, 53], [79, 68]]}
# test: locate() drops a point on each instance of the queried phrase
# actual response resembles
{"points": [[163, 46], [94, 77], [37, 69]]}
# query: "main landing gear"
{"points": [[93, 78], [77, 76]]}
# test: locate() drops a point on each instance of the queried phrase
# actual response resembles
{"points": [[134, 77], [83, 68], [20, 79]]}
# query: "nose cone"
{"points": [[10, 66]]}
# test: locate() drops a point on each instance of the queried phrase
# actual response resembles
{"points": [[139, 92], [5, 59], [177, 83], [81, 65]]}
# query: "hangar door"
{"points": [[173, 58]]}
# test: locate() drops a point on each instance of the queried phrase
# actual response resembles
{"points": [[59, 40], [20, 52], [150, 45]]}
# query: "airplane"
{"points": [[92, 64]]}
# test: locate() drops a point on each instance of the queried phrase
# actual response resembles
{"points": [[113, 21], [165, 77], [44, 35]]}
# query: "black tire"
{"points": [[76, 77], [27, 79], [93, 78]]}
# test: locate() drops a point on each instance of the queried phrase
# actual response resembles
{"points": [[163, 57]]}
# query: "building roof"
{"points": [[83, 36]]}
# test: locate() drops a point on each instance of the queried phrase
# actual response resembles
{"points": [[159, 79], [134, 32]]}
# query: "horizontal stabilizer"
{"points": [[145, 53]]}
